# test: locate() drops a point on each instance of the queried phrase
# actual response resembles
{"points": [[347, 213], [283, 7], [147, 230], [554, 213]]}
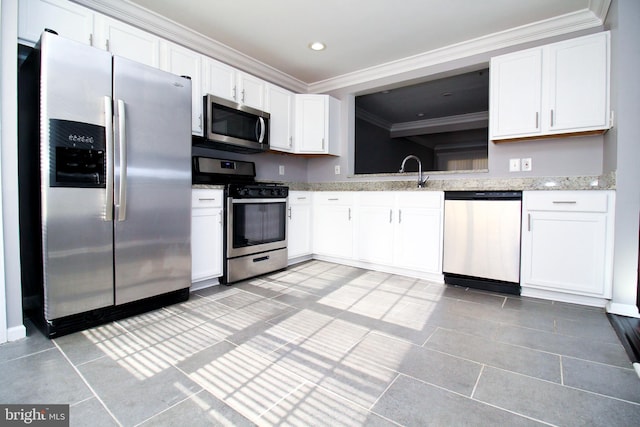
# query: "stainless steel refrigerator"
{"points": [[105, 160]]}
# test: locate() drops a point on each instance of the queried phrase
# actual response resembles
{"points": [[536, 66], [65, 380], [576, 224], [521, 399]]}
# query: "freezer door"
{"points": [[77, 232], [152, 219]]}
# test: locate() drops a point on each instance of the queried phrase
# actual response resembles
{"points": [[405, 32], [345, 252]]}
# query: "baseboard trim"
{"points": [[16, 332], [628, 310]]}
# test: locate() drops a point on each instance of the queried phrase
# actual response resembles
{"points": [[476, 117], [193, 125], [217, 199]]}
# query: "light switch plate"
{"points": [[337, 169], [514, 165]]}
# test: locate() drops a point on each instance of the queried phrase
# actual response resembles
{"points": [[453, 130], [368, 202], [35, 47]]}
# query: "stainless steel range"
{"points": [[255, 219]]}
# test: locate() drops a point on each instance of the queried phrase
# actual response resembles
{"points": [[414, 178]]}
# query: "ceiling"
{"points": [[359, 34]]}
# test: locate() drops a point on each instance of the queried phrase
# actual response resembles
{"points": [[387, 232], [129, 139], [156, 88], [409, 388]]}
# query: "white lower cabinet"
{"points": [[333, 224], [400, 229], [299, 224], [567, 244], [206, 234]]}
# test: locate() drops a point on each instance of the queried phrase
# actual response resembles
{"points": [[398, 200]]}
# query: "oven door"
{"points": [[255, 225]]}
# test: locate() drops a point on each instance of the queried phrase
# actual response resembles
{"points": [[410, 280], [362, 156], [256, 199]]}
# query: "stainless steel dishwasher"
{"points": [[482, 239]]}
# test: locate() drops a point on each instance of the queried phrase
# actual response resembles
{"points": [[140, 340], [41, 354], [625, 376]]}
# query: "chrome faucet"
{"points": [[421, 182]]}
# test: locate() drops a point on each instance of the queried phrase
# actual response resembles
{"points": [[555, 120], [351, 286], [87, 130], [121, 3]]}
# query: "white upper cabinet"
{"points": [[184, 62], [227, 82], [127, 41], [579, 84], [280, 104], [516, 81], [555, 89], [67, 19], [317, 124]]}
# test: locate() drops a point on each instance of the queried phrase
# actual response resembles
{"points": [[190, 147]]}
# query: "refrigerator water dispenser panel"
{"points": [[78, 152]]}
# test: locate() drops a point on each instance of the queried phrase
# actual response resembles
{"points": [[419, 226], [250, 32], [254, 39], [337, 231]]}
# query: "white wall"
{"points": [[622, 151], [9, 170]]}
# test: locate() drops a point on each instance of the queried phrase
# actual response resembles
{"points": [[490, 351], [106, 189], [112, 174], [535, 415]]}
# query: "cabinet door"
{"points": [[280, 106], [299, 238], [185, 62], [333, 226], [419, 231], [565, 251], [311, 123], [206, 234], [515, 101], [67, 19], [220, 79], [127, 41], [250, 91], [375, 229], [578, 84]]}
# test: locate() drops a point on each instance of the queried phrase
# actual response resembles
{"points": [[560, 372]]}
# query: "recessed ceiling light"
{"points": [[420, 114], [446, 94], [317, 46]]}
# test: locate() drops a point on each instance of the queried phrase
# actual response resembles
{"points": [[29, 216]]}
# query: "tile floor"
{"points": [[326, 344]]}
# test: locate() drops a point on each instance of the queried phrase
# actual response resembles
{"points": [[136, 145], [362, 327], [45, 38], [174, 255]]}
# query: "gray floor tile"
{"points": [[239, 299], [553, 403], [587, 349], [246, 382], [263, 337], [34, 342], [330, 331], [525, 361], [90, 412], [597, 330], [355, 379], [138, 386], [200, 309], [413, 403], [313, 406], [45, 377], [622, 383], [105, 340], [200, 409]]}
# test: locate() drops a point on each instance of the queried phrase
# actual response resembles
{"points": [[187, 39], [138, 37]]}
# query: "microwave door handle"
{"points": [[260, 124]]}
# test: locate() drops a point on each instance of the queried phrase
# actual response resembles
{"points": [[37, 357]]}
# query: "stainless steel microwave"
{"points": [[235, 127]]}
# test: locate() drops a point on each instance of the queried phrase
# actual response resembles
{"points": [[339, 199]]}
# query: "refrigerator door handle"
{"points": [[108, 126], [122, 197]]}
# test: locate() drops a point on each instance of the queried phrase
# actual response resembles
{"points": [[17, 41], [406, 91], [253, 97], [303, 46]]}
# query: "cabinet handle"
{"points": [[301, 198], [537, 119], [234, 93], [323, 143], [243, 96], [290, 141], [200, 120], [220, 215], [390, 216], [551, 117], [399, 216], [564, 202], [207, 200], [528, 222], [106, 44], [90, 39], [289, 212], [349, 214], [333, 199]]}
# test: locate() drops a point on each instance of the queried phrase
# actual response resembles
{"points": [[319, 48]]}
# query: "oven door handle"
{"points": [[249, 201]]}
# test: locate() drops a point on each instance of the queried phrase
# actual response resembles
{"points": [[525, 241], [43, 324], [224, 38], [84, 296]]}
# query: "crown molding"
{"points": [[147, 20], [373, 119], [137, 16], [441, 124], [560, 25]]}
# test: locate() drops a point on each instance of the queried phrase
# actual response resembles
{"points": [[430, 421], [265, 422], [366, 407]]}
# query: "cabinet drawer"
{"points": [[567, 201], [202, 198], [421, 199], [336, 198], [299, 198]]}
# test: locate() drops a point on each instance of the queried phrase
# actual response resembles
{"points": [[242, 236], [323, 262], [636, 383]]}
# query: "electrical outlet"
{"points": [[514, 165], [337, 169], [281, 169], [526, 164]]}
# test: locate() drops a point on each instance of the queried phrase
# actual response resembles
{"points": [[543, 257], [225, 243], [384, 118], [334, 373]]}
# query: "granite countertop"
{"points": [[597, 182]]}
